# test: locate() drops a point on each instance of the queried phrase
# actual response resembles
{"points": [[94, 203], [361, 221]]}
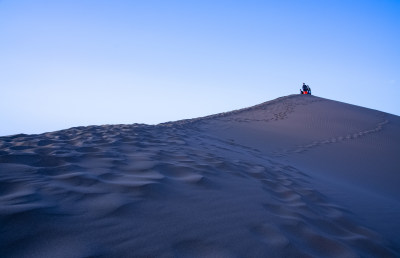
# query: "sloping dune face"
{"points": [[248, 183]]}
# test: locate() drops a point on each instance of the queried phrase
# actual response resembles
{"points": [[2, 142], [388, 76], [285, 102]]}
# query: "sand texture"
{"points": [[299, 176]]}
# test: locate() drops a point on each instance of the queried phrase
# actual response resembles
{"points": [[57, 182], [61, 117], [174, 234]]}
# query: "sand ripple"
{"points": [[165, 191]]}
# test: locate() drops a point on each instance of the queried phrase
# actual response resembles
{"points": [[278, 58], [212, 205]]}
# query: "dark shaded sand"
{"points": [[299, 176]]}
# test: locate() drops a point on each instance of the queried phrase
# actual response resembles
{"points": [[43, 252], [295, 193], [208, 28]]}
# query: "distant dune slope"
{"points": [[299, 176], [339, 139]]}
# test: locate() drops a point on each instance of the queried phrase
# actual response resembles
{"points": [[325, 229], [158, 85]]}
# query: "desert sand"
{"points": [[299, 176]]}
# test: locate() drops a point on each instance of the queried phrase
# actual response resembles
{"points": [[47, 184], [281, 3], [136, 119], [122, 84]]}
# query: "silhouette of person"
{"points": [[305, 87]]}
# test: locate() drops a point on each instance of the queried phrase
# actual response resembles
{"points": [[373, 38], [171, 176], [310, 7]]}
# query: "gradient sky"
{"points": [[72, 63]]}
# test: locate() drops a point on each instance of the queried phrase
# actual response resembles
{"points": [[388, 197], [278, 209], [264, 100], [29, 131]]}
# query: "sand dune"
{"points": [[299, 176]]}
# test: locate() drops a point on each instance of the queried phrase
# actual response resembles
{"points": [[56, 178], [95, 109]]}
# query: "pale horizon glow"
{"points": [[77, 63]]}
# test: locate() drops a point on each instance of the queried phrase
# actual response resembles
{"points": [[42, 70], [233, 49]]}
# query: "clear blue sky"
{"points": [[71, 63]]}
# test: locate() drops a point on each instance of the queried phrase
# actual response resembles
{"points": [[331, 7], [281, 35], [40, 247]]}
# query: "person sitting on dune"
{"points": [[306, 89]]}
